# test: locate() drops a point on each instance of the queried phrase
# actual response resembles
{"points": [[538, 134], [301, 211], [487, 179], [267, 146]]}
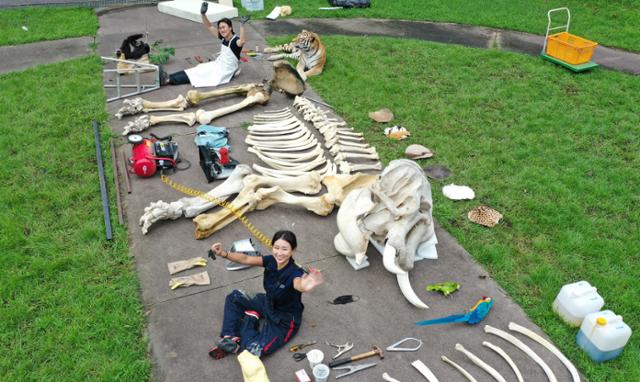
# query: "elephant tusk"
{"points": [[407, 291], [389, 260], [572, 369]]}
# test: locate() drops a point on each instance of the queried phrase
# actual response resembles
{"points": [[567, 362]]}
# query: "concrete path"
{"points": [[20, 57], [467, 35], [183, 324]]}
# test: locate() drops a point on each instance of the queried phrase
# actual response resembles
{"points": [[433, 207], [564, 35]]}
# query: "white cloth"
{"points": [[215, 72]]}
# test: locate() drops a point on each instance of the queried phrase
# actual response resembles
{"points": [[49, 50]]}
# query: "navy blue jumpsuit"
{"points": [[280, 310]]}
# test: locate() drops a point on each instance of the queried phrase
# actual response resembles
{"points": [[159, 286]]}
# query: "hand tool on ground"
{"points": [[341, 348], [376, 351], [299, 356], [297, 347], [476, 314], [353, 369], [396, 346]]}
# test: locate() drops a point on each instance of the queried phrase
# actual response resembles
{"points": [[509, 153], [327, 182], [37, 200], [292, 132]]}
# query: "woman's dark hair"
{"points": [[287, 236], [228, 22]]}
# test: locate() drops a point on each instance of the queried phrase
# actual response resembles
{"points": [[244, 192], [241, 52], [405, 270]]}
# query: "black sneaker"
{"points": [[226, 345]]}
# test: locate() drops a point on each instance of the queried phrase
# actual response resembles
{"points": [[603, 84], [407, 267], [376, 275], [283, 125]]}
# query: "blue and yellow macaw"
{"points": [[476, 314]]}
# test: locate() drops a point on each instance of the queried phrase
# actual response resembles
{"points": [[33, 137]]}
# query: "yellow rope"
{"points": [[264, 239]]}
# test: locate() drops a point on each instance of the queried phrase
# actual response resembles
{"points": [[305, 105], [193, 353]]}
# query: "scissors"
{"points": [[299, 356]]}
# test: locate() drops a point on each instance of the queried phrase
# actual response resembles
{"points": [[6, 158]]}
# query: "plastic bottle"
{"points": [[603, 335], [577, 300]]}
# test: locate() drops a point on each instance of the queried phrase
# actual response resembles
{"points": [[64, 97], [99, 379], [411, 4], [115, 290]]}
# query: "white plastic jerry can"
{"points": [[577, 300], [603, 335]]}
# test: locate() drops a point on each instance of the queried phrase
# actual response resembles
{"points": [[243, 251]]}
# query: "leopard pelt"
{"points": [[307, 48], [485, 216]]}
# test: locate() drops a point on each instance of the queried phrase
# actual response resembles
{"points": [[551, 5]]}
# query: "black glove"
{"points": [[204, 7], [244, 19]]}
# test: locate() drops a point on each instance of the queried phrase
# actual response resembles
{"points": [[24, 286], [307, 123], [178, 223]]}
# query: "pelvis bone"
{"points": [[396, 210]]}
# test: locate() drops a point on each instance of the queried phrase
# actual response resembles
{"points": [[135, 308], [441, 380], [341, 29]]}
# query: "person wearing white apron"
{"points": [[223, 68]]}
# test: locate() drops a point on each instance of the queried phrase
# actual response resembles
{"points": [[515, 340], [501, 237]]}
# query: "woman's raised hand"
{"points": [[312, 279], [217, 248]]}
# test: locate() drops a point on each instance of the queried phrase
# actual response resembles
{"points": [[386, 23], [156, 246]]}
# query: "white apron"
{"points": [[216, 72]]}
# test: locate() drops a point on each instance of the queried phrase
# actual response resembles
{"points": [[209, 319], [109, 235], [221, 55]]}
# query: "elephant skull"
{"points": [[395, 210]]}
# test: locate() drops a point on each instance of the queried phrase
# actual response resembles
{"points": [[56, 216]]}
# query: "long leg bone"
{"points": [[506, 357], [308, 183], [248, 200], [520, 345], [190, 207], [145, 121], [572, 369], [259, 96], [194, 97], [460, 369], [483, 365], [138, 105]]}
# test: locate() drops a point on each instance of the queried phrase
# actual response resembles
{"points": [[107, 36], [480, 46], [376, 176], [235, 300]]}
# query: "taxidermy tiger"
{"points": [[307, 48]]}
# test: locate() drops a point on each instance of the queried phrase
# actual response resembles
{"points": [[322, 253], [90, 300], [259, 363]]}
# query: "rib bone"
{"points": [[335, 149], [459, 368], [506, 357], [572, 369], [348, 168], [483, 365], [520, 345], [345, 156]]}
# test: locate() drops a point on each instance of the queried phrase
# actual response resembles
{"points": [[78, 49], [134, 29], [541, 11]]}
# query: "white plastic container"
{"points": [[577, 300], [603, 335], [253, 5]]}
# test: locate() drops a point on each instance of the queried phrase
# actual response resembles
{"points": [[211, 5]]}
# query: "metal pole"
{"points": [[103, 183]]}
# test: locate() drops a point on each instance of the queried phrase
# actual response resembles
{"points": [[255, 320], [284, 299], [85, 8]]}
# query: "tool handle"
{"points": [[339, 362], [364, 355]]}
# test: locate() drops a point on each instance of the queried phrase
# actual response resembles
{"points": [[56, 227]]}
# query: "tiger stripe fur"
{"points": [[307, 48]]}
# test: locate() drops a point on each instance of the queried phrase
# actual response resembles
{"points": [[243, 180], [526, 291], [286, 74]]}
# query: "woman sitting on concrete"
{"points": [[264, 322], [224, 67]]}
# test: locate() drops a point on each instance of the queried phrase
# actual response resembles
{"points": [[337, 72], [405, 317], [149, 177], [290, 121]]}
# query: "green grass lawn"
{"points": [[556, 153], [45, 23], [612, 23], [70, 299]]}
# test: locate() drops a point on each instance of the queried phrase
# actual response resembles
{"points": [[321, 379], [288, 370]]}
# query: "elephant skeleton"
{"points": [[396, 210]]}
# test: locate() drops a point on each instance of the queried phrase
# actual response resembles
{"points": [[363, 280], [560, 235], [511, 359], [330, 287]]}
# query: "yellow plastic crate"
{"points": [[570, 48]]}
